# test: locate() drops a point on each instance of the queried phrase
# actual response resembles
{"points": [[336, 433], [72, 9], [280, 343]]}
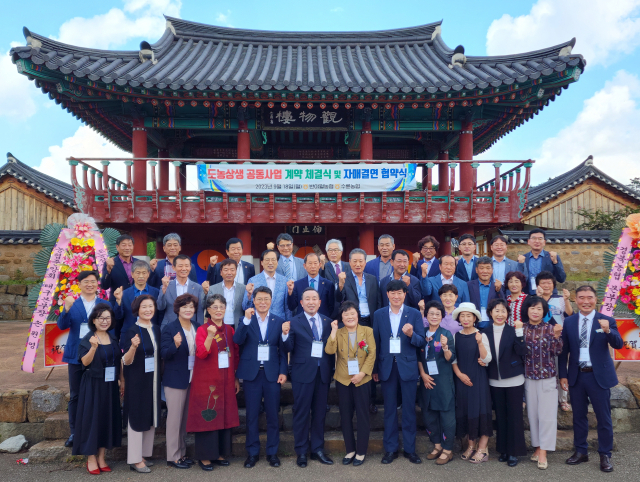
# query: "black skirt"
{"points": [[213, 445], [473, 404]]}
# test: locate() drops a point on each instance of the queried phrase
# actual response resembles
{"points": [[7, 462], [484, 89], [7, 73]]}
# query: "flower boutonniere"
{"points": [[363, 345]]}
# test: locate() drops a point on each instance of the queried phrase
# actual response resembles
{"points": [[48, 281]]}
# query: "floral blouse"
{"points": [[542, 348]]}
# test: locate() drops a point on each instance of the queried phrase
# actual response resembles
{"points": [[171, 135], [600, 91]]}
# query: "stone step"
{"points": [[49, 451]]}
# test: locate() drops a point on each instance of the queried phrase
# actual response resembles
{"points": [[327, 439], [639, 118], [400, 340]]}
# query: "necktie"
{"points": [[313, 283], [583, 338], [314, 328], [337, 268], [287, 269]]}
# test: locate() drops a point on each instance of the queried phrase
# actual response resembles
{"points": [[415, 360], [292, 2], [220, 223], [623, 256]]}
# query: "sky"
{"points": [[599, 115]]}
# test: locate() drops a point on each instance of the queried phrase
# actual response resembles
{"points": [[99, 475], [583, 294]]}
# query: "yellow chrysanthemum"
{"points": [[75, 241], [63, 281], [91, 242], [75, 289]]}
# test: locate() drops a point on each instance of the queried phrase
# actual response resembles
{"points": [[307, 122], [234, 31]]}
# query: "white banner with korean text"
{"points": [[301, 178]]}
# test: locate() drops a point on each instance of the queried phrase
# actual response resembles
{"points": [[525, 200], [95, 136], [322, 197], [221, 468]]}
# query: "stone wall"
{"points": [[15, 257], [576, 258], [14, 303]]}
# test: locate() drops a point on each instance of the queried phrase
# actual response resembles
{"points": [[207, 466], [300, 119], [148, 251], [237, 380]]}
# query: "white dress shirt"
{"points": [[271, 282], [229, 296], [262, 324], [589, 323], [88, 305], [395, 321], [446, 281], [239, 274], [182, 289], [317, 322]]}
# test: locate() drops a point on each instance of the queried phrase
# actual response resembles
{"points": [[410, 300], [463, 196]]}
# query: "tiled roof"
{"points": [[20, 237], [58, 190], [193, 55], [561, 236], [551, 189]]}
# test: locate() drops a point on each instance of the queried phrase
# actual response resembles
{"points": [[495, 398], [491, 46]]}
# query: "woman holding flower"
{"points": [[356, 354]]}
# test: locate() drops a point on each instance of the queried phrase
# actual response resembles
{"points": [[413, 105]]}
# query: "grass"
{"points": [[20, 282]]}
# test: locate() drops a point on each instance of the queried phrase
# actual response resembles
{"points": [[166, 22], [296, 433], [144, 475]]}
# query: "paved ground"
{"points": [[626, 461]]}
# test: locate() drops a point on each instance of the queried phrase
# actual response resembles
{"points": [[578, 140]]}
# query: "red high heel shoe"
{"points": [[93, 472], [104, 469]]}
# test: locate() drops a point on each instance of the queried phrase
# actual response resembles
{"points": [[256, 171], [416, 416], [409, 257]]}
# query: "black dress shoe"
{"points": [[503, 458], [221, 463], [577, 458], [321, 457], [389, 457], [69, 442], [512, 461], [187, 460], [273, 460], [302, 461], [206, 468], [357, 463], [348, 460], [251, 461], [413, 458], [178, 465], [605, 463], [373, 409]]}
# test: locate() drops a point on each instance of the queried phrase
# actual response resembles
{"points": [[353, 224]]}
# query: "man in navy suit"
{"points": [[483, 289], [235, 251], [466, 268], [288, 265], [538, 260], [171, 245], [380, 267], [427, 253], [117, 271], [263, 369], [399, 334], [431, 286], [305, 338], [75, 317], [271, 279], [141, 272], [586, 338], [400, 263], [313, 280], [334, 266], [501, 264]]}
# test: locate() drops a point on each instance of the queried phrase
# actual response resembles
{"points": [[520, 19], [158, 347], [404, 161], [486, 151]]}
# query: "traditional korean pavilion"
{"points": [[207, 94]]}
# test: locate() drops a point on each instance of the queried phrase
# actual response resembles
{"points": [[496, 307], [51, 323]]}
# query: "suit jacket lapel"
{"points": [[305, 324], [594, 326], [256, 326], [270, 328]]}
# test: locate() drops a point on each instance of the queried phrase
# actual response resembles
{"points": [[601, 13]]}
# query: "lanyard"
{"points": [[225, 339], [105, 353], [144, 349]]}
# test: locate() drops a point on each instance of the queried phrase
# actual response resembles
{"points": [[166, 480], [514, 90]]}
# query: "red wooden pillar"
{"points": [[244, 143], [243, 233], [466, 153], [445, 245], [139, 234], [466, 229], [366, 143], [139, 148], [366, 239], [443, 171], [163, 170]]}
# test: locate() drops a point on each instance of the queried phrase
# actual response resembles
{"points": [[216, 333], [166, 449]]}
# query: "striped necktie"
{"points": [[584, 341], [287, 269]]}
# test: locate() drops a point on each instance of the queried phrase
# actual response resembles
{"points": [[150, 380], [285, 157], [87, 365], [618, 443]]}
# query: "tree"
{"points": [[634, 184], [598, 220]]}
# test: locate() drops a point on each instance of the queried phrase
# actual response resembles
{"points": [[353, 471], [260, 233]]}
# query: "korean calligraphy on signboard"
{"points": [[305, 118], [307, 229]]}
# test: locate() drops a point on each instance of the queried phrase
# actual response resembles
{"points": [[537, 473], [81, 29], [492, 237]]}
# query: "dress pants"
{"points": [[542, 409], [390, 394], [352, 398], [254, 391], [440, 424], [213, 444], [139, 444], [75, 375], [586, 388], [177, 412], [309, 397], [507, 402]]}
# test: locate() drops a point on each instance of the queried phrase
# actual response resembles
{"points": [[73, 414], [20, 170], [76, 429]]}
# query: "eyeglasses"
{"points": [[108, 318], [428, 248], [283, 245], [334, 250], [217, 308], [536, 238]]}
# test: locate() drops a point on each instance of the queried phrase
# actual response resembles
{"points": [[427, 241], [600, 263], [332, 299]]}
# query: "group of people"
{"points": [[460, 336]]}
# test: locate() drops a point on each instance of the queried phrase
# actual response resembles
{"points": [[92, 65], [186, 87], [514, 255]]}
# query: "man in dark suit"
{"points": [[431, 286], [539, 260], [325, 288], [400, 263], [171, 245], [380, 267], [359, 287], [483, 289], [305, 338], [333, 267], [288, 265], [235, 251], [427, 253], [466, 267], [586, 338], [263, 369], [116, 271], [399, 334]]}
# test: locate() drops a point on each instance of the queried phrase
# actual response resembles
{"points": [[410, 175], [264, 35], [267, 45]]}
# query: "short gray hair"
{"points": [[170, 237], [283, 236], [358, 251], [386, 236], [333, 241], [140, 264]]}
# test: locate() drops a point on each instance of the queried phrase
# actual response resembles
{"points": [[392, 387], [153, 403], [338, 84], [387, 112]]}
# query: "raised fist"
{"points": [[557, 331], [498, 284], [153, 264], [213, 260], [444, 342], [286, 326], [177, 340], [290, 286], [416, 258], [521, 258], [248, 313], [205, 286], [425, 268], [342, 277], [270, 245], [94, 341], [604, 324], [518, 325], [554, 257], [323, 259], [68, 303], [135, 341], [478, 337], [334, 327], [421, 306], [566, 294], [407, 329], [406, 279], [165, 283], [211, 330], [117, 294], [110, 264], [249, 289]]}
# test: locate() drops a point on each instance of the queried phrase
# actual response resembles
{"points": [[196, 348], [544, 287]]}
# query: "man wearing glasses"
{"points": [[289, 266], [427, 251], [466, 267], [537, 260], [381, 266], [335, 265]]}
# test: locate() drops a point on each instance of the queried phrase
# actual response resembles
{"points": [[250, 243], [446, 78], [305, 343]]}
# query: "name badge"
{"points": [[353, 366], [316, 349], [432, 367], [394, 344], [263, 353], [584, 355], [223, 359], [109, 374], [190, 362], [533, 284], [84, 329], [149, 364], [483, 313]]}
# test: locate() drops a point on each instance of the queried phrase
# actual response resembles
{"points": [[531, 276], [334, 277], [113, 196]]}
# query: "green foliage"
{"points": [[109, 235], [151, 249], [41, 261], [34, 293], [49, 235], [18, 275], [23, 281], [597, 219]]}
